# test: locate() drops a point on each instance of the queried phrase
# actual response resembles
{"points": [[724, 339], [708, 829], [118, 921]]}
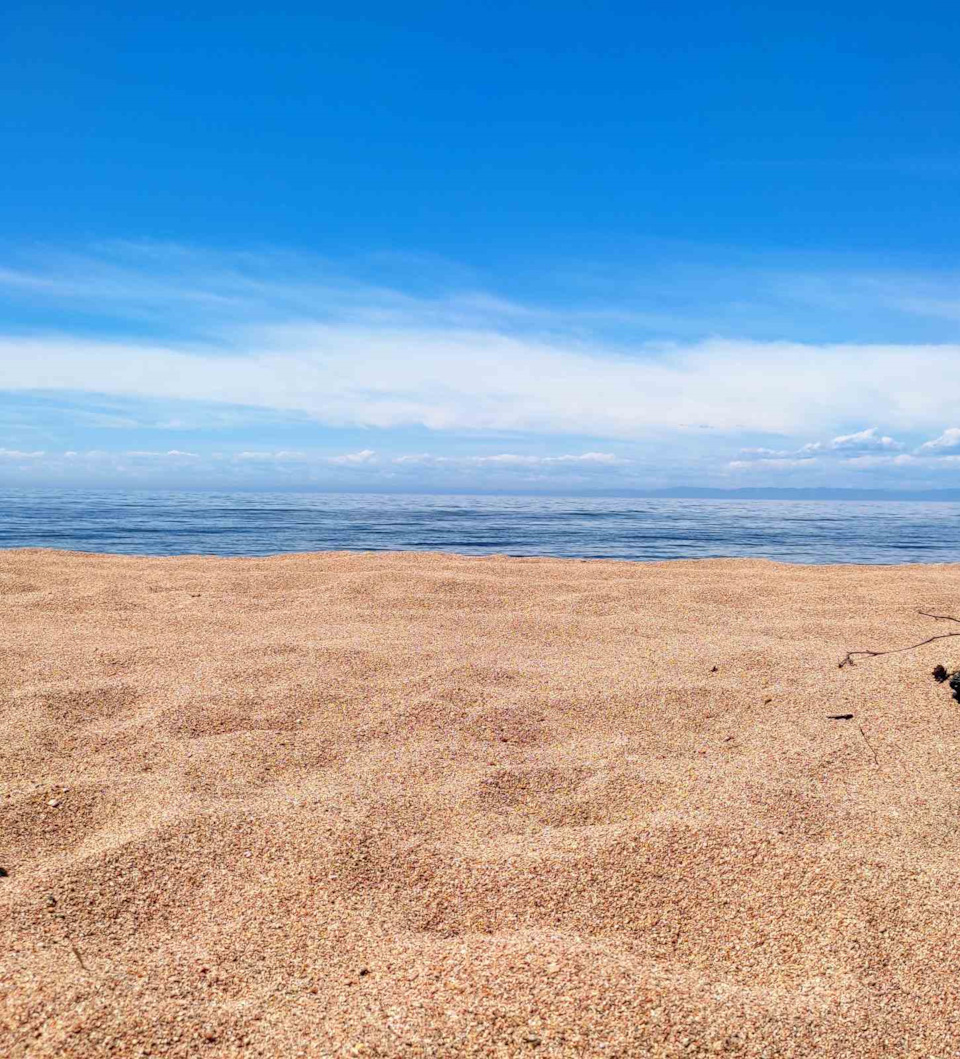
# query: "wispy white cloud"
{"points": [[843, 447], [258, 336], [348, 459], [281, 456], [869, 440], [767, 454], [16, 454], [353, 459], [948, 442], [261, 335], [363, 469], [364, 458], [469, 380], [865, 450], [508, 459], [776, 463], [869, 460], [170, 454]]}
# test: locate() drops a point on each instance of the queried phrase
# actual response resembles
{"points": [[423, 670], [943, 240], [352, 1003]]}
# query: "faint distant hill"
{"points": [[696, 492], [705, 493]]}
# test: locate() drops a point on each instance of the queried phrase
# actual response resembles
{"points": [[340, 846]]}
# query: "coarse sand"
{"points": [[430, 805]]}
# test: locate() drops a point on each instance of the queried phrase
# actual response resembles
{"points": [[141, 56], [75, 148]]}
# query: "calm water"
{"points": [[171, 523]]}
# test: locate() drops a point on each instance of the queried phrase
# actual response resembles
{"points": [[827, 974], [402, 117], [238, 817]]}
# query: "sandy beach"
{"points": [[427, 805]]}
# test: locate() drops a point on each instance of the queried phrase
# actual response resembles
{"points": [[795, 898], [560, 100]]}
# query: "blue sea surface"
{"points": [[250, 524]]}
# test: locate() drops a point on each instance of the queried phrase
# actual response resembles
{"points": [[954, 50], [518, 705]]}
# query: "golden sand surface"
{"points": [[430, 805]]}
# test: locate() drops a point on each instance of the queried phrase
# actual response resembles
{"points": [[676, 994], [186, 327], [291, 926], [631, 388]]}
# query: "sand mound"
{"points": [[403, 805]]}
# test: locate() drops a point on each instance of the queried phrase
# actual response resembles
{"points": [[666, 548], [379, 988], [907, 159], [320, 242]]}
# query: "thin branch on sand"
{"points": [[848, 659], [76, 951], [939, 617], [869, 744]]}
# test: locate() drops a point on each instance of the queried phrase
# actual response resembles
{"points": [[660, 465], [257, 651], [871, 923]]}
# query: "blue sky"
{"points": [[532, 246]]}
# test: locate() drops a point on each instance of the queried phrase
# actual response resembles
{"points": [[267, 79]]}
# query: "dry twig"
{"points": [[848, 659], [869, 744]]}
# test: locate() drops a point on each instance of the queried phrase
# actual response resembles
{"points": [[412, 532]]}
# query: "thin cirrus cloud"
{"points": [[347, 354], [223, 337], [507, 459], [10, 455], [349, 459], [363, 458], [371, 459], [364, 469], [344, 376]]}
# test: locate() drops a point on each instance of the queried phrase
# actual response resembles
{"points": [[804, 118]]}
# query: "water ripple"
{"points": [[250, 524]]}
